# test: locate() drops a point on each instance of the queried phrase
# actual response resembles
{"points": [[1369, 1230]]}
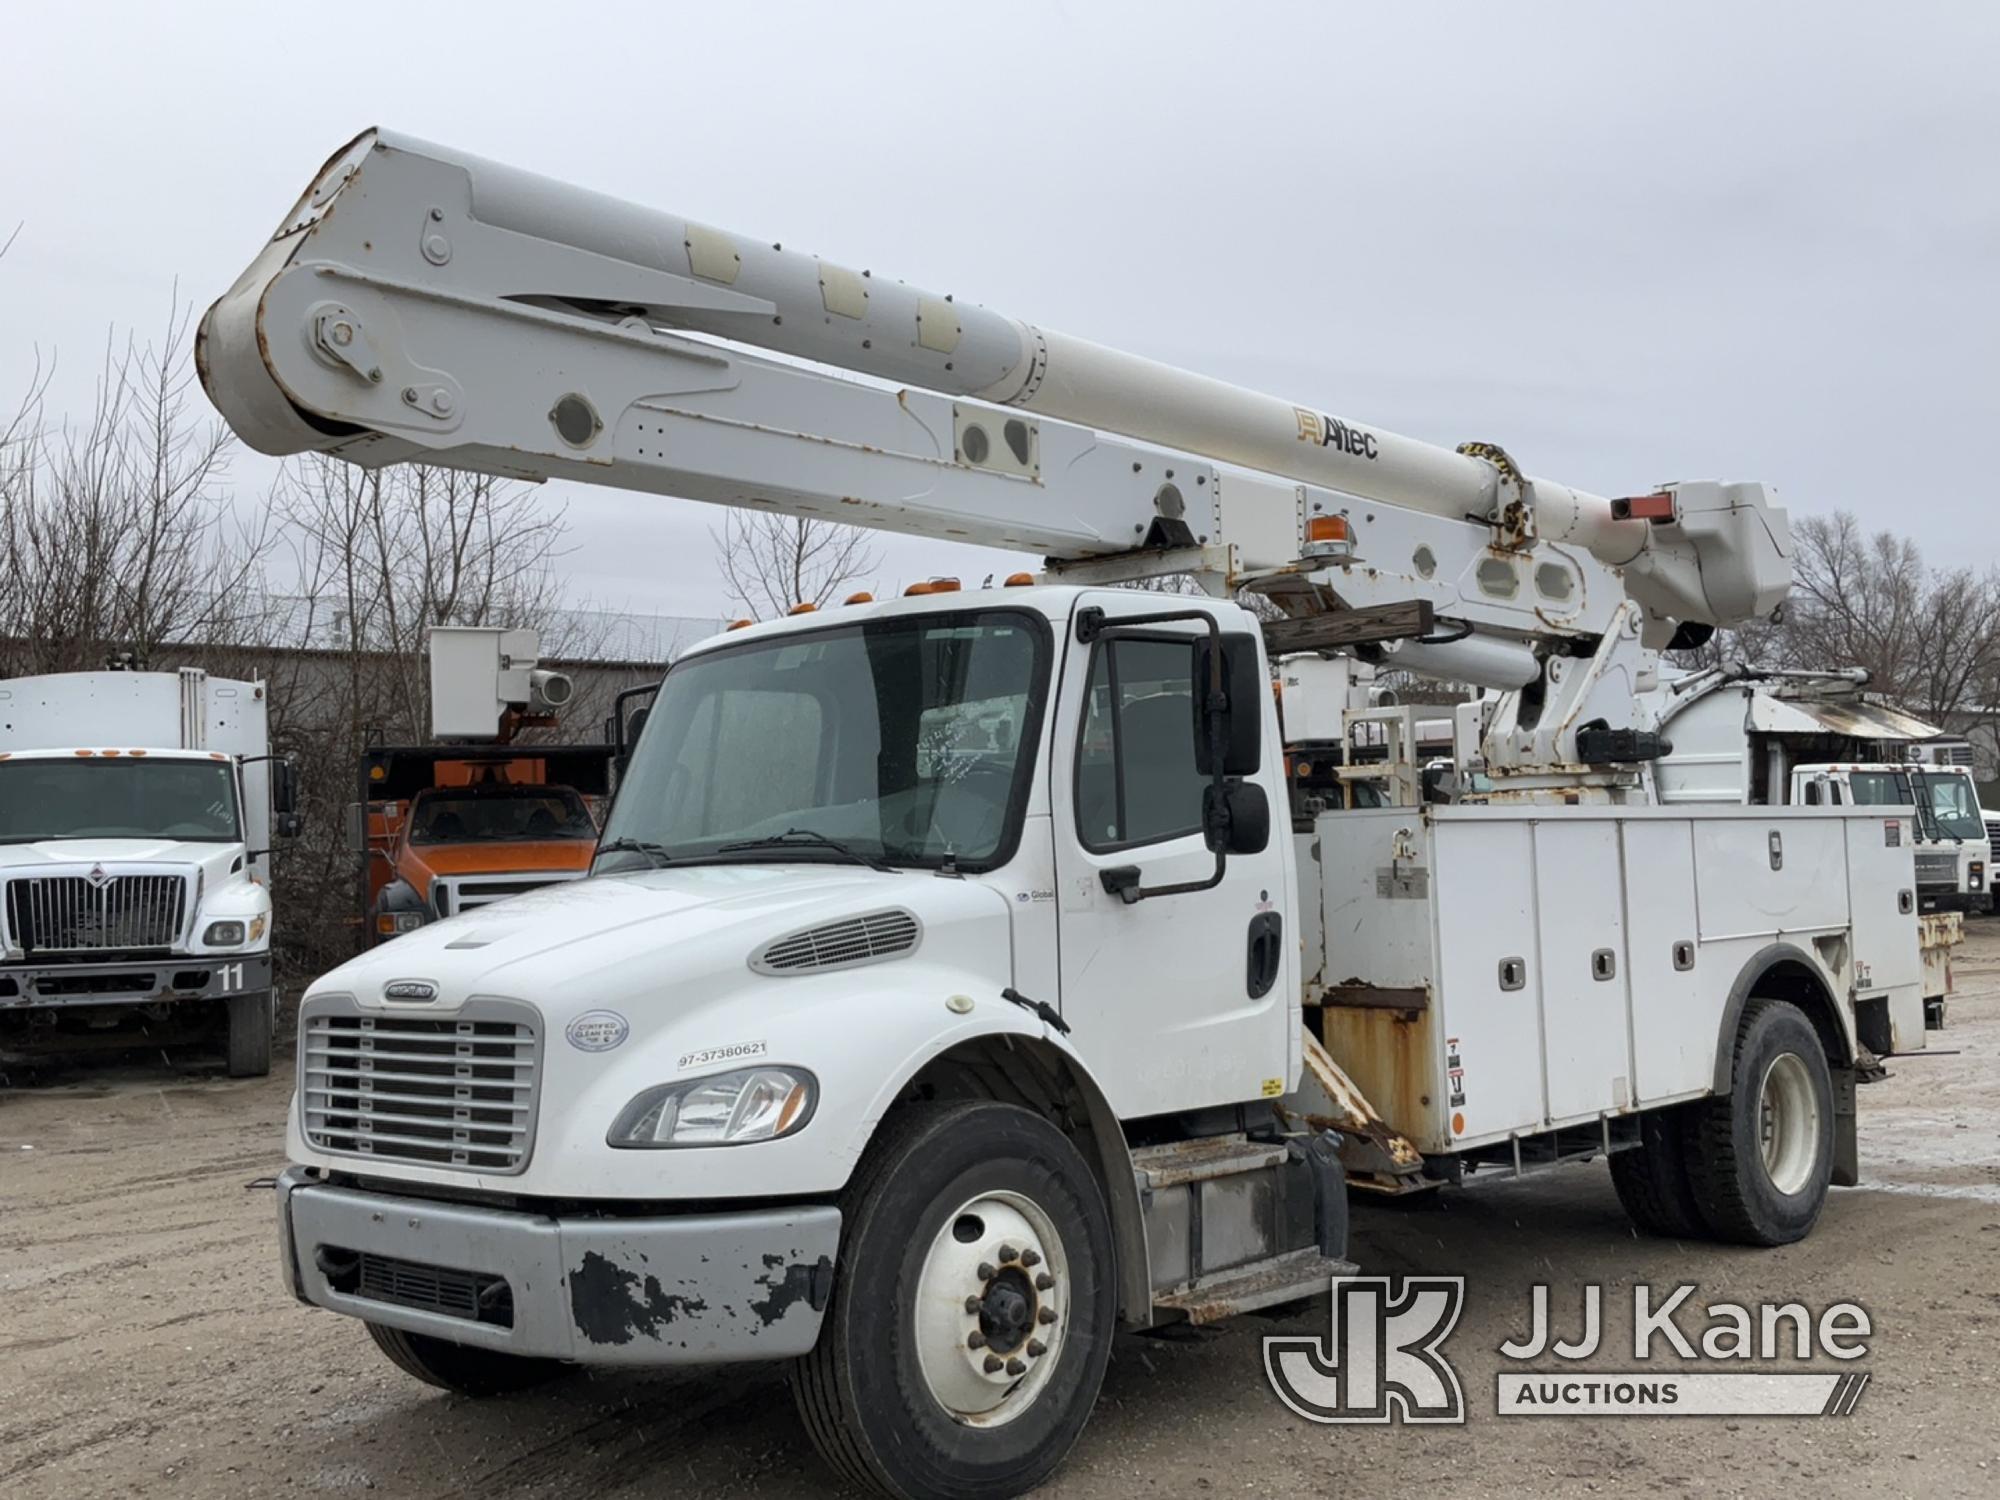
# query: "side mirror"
{"points": [[357, 827], [284, 787], [1245, 686], [1238, 821]]}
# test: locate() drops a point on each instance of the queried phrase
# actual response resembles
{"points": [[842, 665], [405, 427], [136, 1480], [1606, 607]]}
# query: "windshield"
{"points": [[1881, 788], [125, 798], [477, 815], [901, 739], [1954, 802]]}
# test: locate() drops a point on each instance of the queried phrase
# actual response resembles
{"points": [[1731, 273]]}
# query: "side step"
{"points": [[1264, 1283]]}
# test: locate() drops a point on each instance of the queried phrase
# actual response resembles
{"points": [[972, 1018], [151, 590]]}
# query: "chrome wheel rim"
{"points": [[1788, 1122], [991, 1310]]}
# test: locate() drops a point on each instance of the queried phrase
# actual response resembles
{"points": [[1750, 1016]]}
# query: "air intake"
{"points": [[860, 940]]}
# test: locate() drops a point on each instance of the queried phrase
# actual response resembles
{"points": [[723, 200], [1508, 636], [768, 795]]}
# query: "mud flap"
{"points": [[1846, 1144]]}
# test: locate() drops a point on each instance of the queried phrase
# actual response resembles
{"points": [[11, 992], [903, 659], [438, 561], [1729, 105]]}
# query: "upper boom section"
{"points": [[423, 304]]}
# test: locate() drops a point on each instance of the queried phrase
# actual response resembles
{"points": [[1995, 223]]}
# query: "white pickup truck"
{"points": [[136, 814]]}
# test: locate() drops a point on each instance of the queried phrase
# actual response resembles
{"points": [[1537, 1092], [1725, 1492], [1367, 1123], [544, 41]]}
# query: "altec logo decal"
{"points": [[1330, 432]]}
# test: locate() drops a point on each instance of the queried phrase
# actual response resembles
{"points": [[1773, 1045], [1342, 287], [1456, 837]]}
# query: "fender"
{"points": [[1840, 1052], [1014, 1028]]}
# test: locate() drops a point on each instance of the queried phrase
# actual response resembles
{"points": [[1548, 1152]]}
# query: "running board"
{"points": [[1263, 1283]]}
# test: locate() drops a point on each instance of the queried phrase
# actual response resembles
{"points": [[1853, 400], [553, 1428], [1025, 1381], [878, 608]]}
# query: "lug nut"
{"points": [[1029, 1258], [975, 1340], [1015, 1367], [1045, 1315], [1036, 1348], [1043, 1281], [972, 1304], [994, 1364], [1007, 1253], [987, 1271]]}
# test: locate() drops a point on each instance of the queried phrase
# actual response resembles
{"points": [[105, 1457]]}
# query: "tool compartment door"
{"points": [[1676, 996], [1580, 922]]}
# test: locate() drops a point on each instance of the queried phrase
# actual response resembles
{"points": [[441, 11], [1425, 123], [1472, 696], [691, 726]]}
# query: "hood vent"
{"points": [[869, 939]]}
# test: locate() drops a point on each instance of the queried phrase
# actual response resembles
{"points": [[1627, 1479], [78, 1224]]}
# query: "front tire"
{"points": [[250, 1026], [1762, 1155], [460, 1367], [972, 1308]]}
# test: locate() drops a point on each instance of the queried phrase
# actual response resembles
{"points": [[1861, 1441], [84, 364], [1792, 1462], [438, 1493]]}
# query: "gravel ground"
{"points": [[146, 1347]]}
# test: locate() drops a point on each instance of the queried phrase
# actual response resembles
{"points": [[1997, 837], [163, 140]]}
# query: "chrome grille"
{"points": [[1992, 844], [840, 945], [444, 1091], [78, 914], [452, 894]]}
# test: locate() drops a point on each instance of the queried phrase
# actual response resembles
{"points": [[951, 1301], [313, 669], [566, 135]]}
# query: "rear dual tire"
{"points": [[1750, 1167]]}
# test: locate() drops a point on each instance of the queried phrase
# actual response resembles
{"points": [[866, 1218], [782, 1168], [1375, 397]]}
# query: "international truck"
{"points": [[958, 981], [137, 811]]}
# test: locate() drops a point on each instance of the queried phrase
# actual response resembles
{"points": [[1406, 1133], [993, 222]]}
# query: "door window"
{"points": [[1136, 781]]}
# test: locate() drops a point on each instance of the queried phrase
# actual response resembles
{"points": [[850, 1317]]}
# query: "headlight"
{"points": [[391, 923], [724, 1109], [223, 935]]}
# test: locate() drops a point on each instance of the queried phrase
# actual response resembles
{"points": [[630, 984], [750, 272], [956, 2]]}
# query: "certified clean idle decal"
{"points": [[597, 1031]]}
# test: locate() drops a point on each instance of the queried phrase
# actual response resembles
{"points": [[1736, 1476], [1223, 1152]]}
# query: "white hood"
{"points": [[108, 852]]}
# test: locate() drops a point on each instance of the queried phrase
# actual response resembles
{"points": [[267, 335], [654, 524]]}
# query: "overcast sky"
{"points": [[1734, 241]]}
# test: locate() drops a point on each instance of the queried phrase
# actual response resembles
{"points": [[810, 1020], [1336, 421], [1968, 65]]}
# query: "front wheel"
{"points": [[250, 1027], [1762, 1155], [972, 1308]]}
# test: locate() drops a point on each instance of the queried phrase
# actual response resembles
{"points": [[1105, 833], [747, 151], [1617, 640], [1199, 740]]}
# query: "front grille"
{"points": [[1937, 865], [445, 1091], [839, 945], [74, 914], [1992, 843], [451, 895], [452, 1293]]}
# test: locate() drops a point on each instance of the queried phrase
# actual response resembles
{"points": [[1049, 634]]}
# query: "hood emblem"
{"points": [[597, 1031], [409, 989], [98, 879]]}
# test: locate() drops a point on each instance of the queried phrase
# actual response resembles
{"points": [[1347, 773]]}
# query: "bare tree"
{"points": [[773, 562], [117, 532]]}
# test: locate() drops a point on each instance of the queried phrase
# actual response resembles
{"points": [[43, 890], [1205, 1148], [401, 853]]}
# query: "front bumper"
{"points": [[28, 984], [670, 1289]]}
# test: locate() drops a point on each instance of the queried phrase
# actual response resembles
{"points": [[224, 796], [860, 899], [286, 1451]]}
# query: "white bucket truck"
{"points": [[136, 815], [949, 993]]}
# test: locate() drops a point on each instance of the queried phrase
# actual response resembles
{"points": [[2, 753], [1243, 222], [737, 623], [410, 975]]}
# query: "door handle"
{"points": [[1267, 930]]}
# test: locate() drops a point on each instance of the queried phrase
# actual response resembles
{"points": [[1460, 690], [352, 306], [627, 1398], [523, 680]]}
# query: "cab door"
{"points": [[1176, 1001]]}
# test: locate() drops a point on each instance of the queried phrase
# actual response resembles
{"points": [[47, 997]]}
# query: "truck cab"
{"points": [[1952, 849], [136, 814]]}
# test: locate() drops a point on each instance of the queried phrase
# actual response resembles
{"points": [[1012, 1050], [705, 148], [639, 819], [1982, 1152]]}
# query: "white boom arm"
{"points": [[419, 304]]}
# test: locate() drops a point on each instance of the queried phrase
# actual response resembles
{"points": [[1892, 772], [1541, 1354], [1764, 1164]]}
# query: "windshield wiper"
{"points": [[805, 838], [659, 854]]}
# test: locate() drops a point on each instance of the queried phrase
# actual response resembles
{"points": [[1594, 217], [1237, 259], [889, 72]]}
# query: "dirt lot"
{"points": [[147, 1349]]}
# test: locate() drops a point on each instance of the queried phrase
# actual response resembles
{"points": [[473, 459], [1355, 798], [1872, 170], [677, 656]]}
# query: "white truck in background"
{"points": [[136, 817], [958, 979], [1815, 739]]}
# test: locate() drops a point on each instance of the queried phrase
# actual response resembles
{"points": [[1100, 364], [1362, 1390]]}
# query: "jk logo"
{"points": [[1380, 1361]]}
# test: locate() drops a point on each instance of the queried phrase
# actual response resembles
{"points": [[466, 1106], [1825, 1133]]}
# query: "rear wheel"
{"points": [[1652, 1178], [250, 1025], [460, 1367], [972, 1307], [1763, 1153]]}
